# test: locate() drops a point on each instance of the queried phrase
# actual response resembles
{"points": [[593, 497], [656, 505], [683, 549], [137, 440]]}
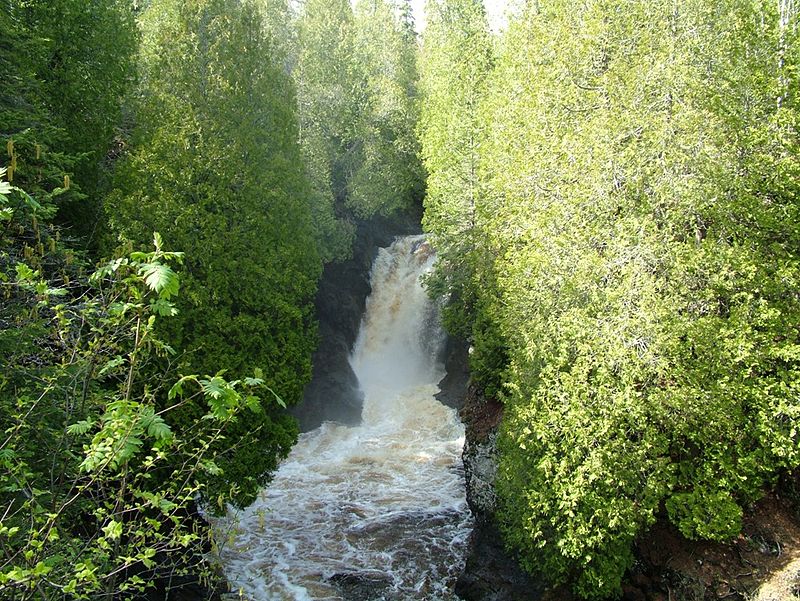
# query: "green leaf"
{"points": [[25, 273], [107, 269], [163, 307], [278, 399], [7, 456], [29, 200], [113, 530], [253, 403], [111, 365], [158, 428], [160, 278], [176, 389], [130, 446], [215, 387], [210, 467], [166, 506], [81, 427], [5, 187]]}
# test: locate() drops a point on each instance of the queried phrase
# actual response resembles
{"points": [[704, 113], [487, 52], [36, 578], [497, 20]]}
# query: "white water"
{"points": [[384, 499]]}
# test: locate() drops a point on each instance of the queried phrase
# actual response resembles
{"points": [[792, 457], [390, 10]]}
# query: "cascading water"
{"points": [[382, 504]]}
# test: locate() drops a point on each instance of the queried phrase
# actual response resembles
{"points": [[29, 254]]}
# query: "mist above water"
{"points": [[382, 503]]}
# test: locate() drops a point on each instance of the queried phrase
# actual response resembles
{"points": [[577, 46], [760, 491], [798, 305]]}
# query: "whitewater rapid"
{"points": [[382, 504]]}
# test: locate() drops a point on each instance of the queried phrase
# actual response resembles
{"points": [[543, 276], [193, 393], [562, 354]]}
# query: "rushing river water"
{"points": [[378, 506]]}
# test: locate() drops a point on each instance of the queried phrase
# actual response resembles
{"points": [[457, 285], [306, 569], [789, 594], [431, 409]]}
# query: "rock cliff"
{"points": [[491, 573]]}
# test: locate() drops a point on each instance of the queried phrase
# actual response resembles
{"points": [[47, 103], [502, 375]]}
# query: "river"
{"points": [[375, 511]]}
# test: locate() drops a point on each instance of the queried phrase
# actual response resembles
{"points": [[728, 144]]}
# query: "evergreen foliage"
{"points": [[215, 166], [280, 27], [67, 65], [611, 187], [356, 103], [102, 460], [328, 92], [636, 216], [390, 174], [455, 61]]}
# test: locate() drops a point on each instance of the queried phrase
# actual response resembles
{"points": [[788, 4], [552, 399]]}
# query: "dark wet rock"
{"points": [[361, 586], [333, 393], [480, 471], [481, 417], [455, 383], [491, 572]]}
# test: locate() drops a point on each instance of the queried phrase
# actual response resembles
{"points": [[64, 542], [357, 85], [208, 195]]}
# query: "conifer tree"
{"points": [[216, 168], [280, 25], [69, 65], [356, 100], [640, 176], [389, 176], [329, 92], [455, 62]]}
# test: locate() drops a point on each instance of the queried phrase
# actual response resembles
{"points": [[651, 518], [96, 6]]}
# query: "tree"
{"points": [[639, 179], [456, 60], [216, 167], [329, 92], [280, 25], [97, 491], [389, 177], [356, 100], [70, 64]]}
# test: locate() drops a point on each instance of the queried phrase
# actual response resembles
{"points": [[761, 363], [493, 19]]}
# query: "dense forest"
{"points": [[176, 175], [611, 188], [613, 193]]}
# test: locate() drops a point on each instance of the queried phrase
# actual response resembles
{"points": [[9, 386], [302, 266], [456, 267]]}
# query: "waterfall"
{"points": [[380, 505]]}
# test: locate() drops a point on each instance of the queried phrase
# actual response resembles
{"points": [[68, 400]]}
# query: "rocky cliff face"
{"points": [[333, 393], [491, 573], [453, 387]]}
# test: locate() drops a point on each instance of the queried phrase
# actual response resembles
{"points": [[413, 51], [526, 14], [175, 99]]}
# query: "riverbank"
{"points": [[761, 564]]}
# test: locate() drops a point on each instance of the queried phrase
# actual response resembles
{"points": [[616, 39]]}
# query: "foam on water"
{"points": [[384, 500]]}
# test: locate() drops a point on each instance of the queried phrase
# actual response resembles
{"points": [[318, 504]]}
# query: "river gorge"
{"points": [[380, 504]]}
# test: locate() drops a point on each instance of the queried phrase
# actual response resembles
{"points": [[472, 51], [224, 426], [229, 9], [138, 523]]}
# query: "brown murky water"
{"points": [[382, 502]]}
